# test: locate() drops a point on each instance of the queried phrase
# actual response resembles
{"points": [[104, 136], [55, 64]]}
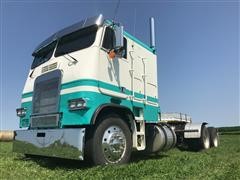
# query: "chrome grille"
{"points": [[46, 99], [45, 121]]}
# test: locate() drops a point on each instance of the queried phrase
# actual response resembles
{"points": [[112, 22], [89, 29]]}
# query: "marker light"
{"points": [[112, 54], [76, 104], [21, 112]]}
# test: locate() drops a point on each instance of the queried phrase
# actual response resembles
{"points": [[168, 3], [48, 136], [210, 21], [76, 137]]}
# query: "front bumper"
{"points": [[63, 143]]}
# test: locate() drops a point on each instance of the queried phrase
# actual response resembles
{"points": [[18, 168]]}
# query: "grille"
{"points": [[46, 99], [45, 121], [49, 67], [46, 94]]}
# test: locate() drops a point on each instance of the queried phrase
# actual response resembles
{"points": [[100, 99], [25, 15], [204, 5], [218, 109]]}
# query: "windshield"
{"points": [[43, 55], [76, 41]]}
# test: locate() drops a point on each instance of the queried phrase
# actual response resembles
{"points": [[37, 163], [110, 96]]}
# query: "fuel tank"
{"points": [[159, 137]]}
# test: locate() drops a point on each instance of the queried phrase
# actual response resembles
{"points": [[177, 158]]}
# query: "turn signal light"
{"points": [[112, 54]]}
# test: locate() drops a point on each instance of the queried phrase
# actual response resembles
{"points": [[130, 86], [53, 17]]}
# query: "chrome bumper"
{"points": [[63, 143]]}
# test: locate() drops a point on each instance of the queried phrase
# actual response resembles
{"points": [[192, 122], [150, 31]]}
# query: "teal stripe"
{"points": [[81, 82], [91, 82], [26, 95], [24, 121], [109, 86], [95, 83], [138, 95], [94, 100], [139, 42], [113, 88], [149, 98]]}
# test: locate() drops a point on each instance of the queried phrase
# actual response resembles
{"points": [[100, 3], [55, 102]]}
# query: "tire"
{"points": [[204, 141], [214, 138], [110, 142], [201, 143]]}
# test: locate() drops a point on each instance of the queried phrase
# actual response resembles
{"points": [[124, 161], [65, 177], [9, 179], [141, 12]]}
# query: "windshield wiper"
{"points": [[73, 58], [32, 73]]}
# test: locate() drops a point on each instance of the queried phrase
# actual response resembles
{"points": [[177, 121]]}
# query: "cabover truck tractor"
{"points": [[92, 94]]}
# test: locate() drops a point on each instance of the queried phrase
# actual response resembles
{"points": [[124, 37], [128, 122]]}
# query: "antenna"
{"points": [[116, 10], [134, 22]]}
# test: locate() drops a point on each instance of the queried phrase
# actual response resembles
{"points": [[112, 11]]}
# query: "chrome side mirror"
{"points": [[119, 36]]}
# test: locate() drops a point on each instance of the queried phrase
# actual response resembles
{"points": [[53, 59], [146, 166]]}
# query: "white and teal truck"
{"points": [[92, 93]]}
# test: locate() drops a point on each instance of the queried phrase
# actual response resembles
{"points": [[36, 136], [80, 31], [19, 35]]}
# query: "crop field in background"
{"points": [[215, 163]]}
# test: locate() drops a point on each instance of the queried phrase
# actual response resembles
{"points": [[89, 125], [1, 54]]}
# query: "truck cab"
{"points": [[92, 93]]}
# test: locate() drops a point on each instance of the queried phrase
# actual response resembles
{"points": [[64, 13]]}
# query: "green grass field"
{"points": [[215, 163]]}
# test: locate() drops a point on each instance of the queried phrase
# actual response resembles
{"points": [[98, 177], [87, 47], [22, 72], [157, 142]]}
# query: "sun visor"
{"points": [[96, 20]]}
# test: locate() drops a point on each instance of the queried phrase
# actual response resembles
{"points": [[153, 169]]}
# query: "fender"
{"points": [[122, 110], [193, 130], [109, 106]]}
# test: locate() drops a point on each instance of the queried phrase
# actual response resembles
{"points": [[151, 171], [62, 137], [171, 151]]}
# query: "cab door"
{"points": [[114, 76], [138, 75]]}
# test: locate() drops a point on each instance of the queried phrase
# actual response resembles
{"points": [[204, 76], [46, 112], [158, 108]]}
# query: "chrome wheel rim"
{"points": [[113, 144], [215, 142]]}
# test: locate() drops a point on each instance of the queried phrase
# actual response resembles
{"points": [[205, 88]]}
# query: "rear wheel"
{"points": [[200, 143], [214, 138], [204, 142], [111, 142]]}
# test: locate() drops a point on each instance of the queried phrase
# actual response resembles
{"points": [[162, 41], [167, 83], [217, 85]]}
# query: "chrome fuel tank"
{"points": [[159, 137]]}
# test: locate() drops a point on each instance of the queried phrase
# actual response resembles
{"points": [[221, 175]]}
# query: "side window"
{"points": [[109, 39], [125, 48]]}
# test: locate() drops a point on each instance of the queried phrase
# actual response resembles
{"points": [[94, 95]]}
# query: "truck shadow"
{"points": [[56, 163], [141, 156], [53, 163]]}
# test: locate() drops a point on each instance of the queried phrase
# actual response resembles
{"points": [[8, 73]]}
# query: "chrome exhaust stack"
{"points": [[152, 33]]}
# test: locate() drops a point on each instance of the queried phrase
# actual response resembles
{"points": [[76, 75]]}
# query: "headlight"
{"points": [[21, 112], [76, 104]]}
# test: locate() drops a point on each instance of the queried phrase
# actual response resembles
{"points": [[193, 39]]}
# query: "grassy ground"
{"points": [[216, 163], [229, 129]]}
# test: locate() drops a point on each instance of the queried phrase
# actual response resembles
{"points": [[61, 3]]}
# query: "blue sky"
{"points": [[197, 48]]}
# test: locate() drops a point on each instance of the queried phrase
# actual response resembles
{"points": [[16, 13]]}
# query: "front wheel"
{"points": [[112, 142]]}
